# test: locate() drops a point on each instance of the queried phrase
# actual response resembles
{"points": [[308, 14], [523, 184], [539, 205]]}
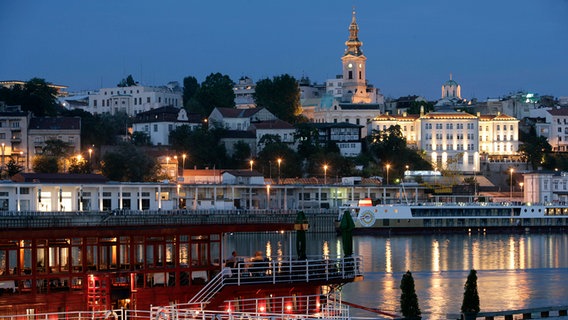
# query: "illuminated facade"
{"points": [[554, 128], [451, 89], [456, 140], [133, 100], [349, 97]]}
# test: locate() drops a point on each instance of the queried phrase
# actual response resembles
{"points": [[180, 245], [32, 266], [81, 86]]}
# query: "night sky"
{"points": [[492, 47]]}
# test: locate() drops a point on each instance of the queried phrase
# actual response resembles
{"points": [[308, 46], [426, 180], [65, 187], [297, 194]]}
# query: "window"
{"points": [[94, 103], [155, 128], [360, 75], [350, 75], [148, 100]]}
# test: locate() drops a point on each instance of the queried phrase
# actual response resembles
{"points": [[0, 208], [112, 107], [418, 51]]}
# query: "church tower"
{"points": [[451, 89], [354, 80]]}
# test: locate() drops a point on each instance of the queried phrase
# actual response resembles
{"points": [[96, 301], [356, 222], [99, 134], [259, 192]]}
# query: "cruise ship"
{"points": [[450, 216]]}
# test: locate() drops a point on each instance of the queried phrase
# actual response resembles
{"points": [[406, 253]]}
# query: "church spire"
{"points": [[353, 44]]}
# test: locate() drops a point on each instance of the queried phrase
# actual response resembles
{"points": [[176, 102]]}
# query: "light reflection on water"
{"points": [[514, 271]]}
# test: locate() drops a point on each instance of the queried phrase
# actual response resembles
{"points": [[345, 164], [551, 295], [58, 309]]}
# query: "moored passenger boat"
{"points": [[458, 216]]}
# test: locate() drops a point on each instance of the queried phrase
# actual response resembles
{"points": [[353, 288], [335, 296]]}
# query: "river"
{"points": [[514, 271]]}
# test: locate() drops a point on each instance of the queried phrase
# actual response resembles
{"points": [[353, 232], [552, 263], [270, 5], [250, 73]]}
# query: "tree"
{"points": [[389, 147], [36, 96], [45, 164], [408, 299], [280, 95], [79, 166], [470, 302], [241, 154], [190, 88], [128, 163], [215, 91], [140, 138], [416, 106], [128, 82], [273, 149], [205, 146], [13, 168], [534, 148]]}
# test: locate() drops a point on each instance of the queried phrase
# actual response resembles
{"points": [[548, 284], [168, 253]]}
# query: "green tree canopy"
{"points": [[272, 150], [128, 163], [127, 82], [280, 95], [203, 146], [190, 88], [416, 106], [45, 164], [241, 155], [215, 91], [36, 96], [534, 148], [389, 147]]}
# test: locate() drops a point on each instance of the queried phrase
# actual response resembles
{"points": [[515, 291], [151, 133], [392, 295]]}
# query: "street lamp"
{"points": [[522, 184], [167, 166], [251, 162], [90, 154], [325, 174], [511, 192], [279, 163], [183, 161], [388, 167], [267, 196]]}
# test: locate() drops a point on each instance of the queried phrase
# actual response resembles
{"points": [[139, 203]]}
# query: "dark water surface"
{"points": [[514, 271]]}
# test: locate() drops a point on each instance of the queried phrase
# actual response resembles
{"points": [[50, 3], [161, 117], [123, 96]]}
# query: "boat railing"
{"points": [[281, 270], [281, 307], [28, 219], [82, 315]]}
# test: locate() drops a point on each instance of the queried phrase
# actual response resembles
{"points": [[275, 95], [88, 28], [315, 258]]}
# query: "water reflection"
{"points": [[514, 271]]}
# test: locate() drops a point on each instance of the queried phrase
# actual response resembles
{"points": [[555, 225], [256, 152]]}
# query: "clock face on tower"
{"points": [[350, 66], [360, 65]]}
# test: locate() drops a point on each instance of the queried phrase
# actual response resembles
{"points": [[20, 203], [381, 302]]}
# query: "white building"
{"points": [[279, 128], [244, 93], [545, 187], [554, 128], [133, 100], [14, 135], [456, 140], [40, 130], [158, 123], [238, 119]]}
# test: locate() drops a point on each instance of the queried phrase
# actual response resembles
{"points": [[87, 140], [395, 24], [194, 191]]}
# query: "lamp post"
{"points": [[251, 162], [90, 154], [325, 174], [167, 166], [3, 149], [279, 163], [511, 191], [183, 161], [267, 196], [388, 167], [522, 184]]}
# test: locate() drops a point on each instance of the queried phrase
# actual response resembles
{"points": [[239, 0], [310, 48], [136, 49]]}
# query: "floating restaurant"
{"points": [[93, 245]]}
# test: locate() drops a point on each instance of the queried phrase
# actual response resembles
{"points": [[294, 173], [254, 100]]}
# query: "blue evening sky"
{"points": [[492, 47]]}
